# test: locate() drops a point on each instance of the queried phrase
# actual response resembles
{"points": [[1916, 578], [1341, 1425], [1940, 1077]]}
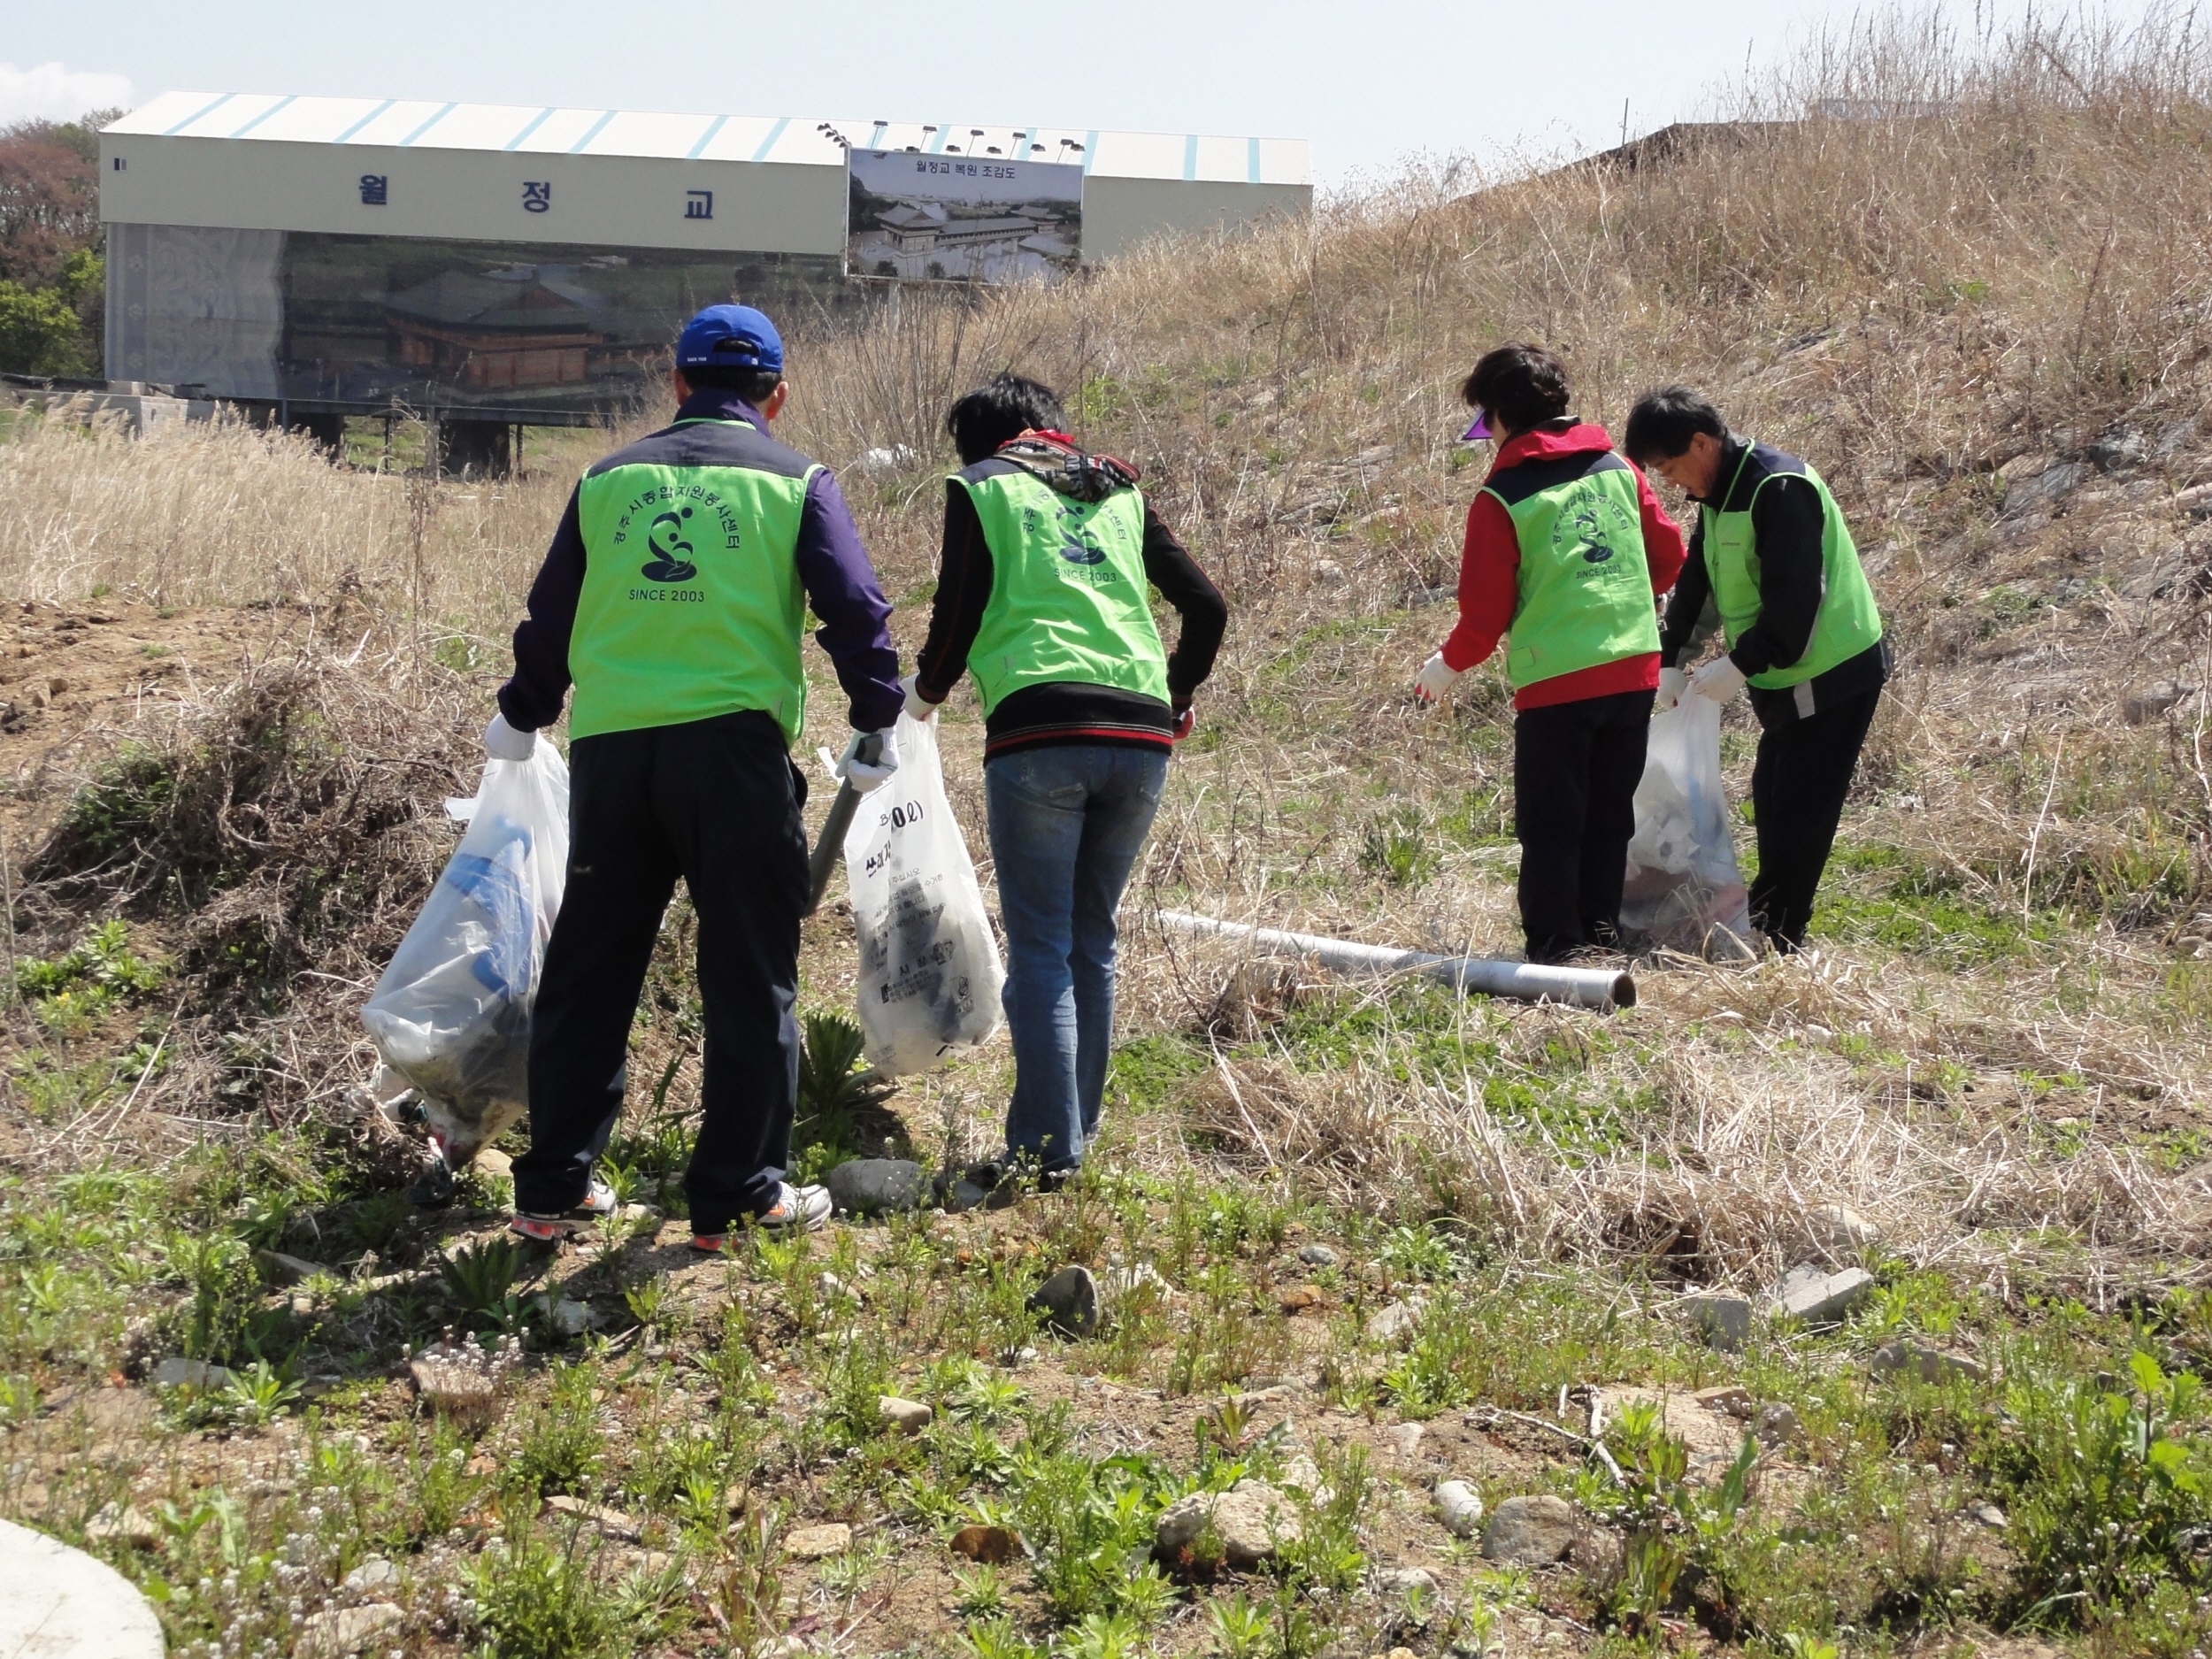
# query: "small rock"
{"points": [[1819, 1297], [1777, 1424], [1299, 1298], [1068, 1301], [1403, 1440], [908, 1416], [870, 1186], [2151, 702], [1393, 1322], [1927, 1364], [129, 1526], [613, 1522], [812, 1543], [992, 1545], [571, 1318], [289, 1270], [375, 1573], [178, 1372], [1117, 1282], [2045, 486], [1253, 1518], [1330, 574], [1459, 1506], [1840, 1230], [1532, 1531], [337, 1631], [1401, 1583], [492, 1161], [1724, 1320], [1990, 1515], [964, 1195], [1730, 1402], [1317, 1255]]}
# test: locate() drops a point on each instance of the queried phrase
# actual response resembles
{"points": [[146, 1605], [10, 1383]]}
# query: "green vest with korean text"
{"points": [[1847, 622], [691, 605], [1069, 600], [1585, 586]]}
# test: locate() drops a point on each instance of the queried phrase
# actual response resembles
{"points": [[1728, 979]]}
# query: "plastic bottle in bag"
{"points": [[451, 1013], [1684, 891], [930, 973]]}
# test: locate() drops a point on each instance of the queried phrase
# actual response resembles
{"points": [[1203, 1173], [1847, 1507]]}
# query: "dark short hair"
{"points": [[1523, 385], [1000, 410], [1663, 423], [755, 385]]}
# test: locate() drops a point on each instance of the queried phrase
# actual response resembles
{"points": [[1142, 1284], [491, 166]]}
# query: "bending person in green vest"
{"points": [[673, 597], [1772, 564], [1566, 548], [1041, 596]]}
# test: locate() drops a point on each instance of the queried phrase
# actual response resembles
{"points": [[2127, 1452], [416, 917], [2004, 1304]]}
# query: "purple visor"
{"points": [[1480, 430]]}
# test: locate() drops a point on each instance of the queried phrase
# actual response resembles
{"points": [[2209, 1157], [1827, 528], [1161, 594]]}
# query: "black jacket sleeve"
{"points": [[964, 575], [1788, 523], [532, 697], [1690, 621], [1169, 567]]}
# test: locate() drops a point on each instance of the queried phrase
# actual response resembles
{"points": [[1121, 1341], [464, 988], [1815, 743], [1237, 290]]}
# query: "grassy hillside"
{"points": [[1358, 1240]]}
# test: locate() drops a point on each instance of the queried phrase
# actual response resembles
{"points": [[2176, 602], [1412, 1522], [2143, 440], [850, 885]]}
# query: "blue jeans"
{"points": [[1067, 823]]}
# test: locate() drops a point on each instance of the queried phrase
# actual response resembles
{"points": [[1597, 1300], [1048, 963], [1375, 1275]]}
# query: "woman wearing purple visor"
{"points": [[1567, 549]]}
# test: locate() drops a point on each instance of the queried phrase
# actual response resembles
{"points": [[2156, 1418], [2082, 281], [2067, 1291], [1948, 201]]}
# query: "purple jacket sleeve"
{"points": [[841, 585], [532, 697]]}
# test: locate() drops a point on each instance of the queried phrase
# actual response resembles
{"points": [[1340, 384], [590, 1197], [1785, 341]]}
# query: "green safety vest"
{"points": [[691, 605], [1847, 622], [1584, 586], [1069, 599]]}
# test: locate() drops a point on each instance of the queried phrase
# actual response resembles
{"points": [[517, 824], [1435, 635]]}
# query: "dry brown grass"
{"points": [[1995, 269]]}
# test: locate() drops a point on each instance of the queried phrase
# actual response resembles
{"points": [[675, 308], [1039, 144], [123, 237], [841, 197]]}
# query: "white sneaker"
{"points": [[796, 1210]]}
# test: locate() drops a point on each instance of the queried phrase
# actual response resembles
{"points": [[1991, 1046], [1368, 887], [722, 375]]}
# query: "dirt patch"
{"points": [[74, 682]]}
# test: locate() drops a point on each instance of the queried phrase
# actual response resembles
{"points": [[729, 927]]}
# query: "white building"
{"points": [[328, 256]]}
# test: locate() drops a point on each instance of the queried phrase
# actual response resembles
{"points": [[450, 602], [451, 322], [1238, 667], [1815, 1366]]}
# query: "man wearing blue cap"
{"points": [[673, 598]]}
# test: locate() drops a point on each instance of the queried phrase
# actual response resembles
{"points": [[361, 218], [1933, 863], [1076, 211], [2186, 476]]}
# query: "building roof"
{"points": [[422, 124]]}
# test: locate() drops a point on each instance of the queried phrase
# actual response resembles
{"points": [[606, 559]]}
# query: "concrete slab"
{"points": [[57, 1602]]}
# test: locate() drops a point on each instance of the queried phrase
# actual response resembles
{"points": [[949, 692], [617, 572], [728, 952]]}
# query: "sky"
{"points": [[1370, 85]]}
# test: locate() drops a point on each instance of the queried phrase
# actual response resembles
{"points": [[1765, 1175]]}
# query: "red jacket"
{"points": [[1489, 574]]}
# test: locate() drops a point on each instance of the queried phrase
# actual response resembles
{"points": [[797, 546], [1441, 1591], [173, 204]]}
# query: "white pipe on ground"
{"points": [[1601, 988]]}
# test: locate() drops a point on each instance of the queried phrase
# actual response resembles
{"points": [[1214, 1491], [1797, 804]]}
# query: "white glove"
{"points": [[501, 742], [1720, 679], [919, 708], [869, 775], [1434, 682], [1672, 683]]}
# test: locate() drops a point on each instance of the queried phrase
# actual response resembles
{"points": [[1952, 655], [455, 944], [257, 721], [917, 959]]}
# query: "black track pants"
{"points": [[716, 801], [1798, 786], [1576, 766]]}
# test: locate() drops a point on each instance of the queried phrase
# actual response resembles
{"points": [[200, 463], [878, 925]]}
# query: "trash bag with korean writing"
{"points": [[451, 1014], [1684, 891], [929, 967]]}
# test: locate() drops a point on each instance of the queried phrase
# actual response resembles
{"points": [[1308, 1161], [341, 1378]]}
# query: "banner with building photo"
{"points": [[961, 218]]}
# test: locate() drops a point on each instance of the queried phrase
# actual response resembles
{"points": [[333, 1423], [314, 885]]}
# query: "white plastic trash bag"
{"points": [[1684, 891], [929, 967], [452, 1012]]}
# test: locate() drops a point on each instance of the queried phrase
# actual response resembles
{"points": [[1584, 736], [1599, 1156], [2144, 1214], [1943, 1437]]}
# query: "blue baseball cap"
{"points": [[732, 336]]}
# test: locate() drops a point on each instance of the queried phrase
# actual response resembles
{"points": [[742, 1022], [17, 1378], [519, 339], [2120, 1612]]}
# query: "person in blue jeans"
{"points": [[1041, 596]]}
